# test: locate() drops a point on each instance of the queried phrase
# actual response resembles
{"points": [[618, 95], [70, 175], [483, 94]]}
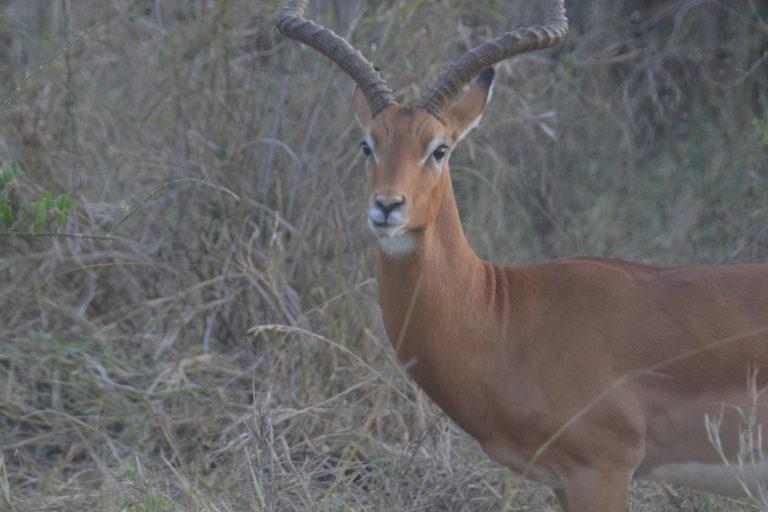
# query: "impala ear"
{"points": [[362, 109], [465, 114]]}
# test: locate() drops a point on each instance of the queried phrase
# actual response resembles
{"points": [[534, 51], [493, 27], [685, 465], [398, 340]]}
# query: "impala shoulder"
{"points": [[580, 281]]}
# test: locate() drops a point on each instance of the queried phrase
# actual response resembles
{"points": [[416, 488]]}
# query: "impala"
{"points": [[608, 365]]}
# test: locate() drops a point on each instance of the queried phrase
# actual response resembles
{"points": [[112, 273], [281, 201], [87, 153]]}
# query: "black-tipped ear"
{"points": [[486, 78], [465, 114]]}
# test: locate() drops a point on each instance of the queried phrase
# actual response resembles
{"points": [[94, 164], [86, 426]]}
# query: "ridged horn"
{"points": [[441, 93], [292, 24]]}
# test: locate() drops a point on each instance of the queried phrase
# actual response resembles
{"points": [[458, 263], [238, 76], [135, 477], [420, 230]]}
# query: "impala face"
{"points": [[406, 158], [405, 155]]}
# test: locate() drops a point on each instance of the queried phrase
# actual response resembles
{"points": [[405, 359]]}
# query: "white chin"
{"points": [[397, 246]]}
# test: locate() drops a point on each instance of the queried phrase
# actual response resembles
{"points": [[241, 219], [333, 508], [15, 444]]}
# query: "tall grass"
{"points": [[229, 355]]}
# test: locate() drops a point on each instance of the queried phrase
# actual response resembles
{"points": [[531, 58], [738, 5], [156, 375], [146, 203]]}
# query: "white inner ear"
{"points": [[490, 93], [471, 126], [476, 122]]}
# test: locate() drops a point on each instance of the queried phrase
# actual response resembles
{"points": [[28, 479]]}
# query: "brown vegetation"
{"points": [[128, 376]]}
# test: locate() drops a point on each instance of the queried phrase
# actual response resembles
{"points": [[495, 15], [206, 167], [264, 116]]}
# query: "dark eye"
{"points": [[366, 149], [439, 153]]}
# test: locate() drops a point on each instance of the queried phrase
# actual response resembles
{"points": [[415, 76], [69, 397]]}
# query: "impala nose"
{"points": [[387, 210], [388, 204]]}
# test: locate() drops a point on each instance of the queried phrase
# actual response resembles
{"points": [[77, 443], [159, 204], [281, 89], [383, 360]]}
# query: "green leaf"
{"points": [[38, 210], [6, 214], [9, 175], [47, 198], [124, 207], [59, 219], [65, 202]]}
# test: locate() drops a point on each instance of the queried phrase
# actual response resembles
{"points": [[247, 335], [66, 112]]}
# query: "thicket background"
{"points": [[128, 378]]}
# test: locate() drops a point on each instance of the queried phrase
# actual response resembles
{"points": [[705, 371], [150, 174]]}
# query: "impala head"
{"points": [[407, 149], [406, 158]]}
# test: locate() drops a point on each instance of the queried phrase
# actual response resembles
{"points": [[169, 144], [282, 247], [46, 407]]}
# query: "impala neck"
{"points": [[440, 265]]}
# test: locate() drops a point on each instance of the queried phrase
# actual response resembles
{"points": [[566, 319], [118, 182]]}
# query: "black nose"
{"points": [[389, 204]]}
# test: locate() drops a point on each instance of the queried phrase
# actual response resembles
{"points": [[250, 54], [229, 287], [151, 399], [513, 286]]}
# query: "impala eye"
{"points": [[439, 153], [366, 149]]}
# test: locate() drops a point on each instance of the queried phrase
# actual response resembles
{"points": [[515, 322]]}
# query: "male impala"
{"points": [[522, 356]]}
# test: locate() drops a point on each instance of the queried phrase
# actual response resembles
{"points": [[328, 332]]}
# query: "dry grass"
{"points": [[128, 376]]}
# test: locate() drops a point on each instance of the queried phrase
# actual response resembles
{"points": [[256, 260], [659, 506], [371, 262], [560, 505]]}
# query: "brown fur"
{"points": [[513, 354]]}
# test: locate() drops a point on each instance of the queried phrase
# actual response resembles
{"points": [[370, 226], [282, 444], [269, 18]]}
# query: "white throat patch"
{"points": [[398, 246]]}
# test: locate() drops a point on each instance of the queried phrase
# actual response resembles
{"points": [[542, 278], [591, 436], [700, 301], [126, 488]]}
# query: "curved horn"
{"points": [[291, 23], [441, 93]]}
